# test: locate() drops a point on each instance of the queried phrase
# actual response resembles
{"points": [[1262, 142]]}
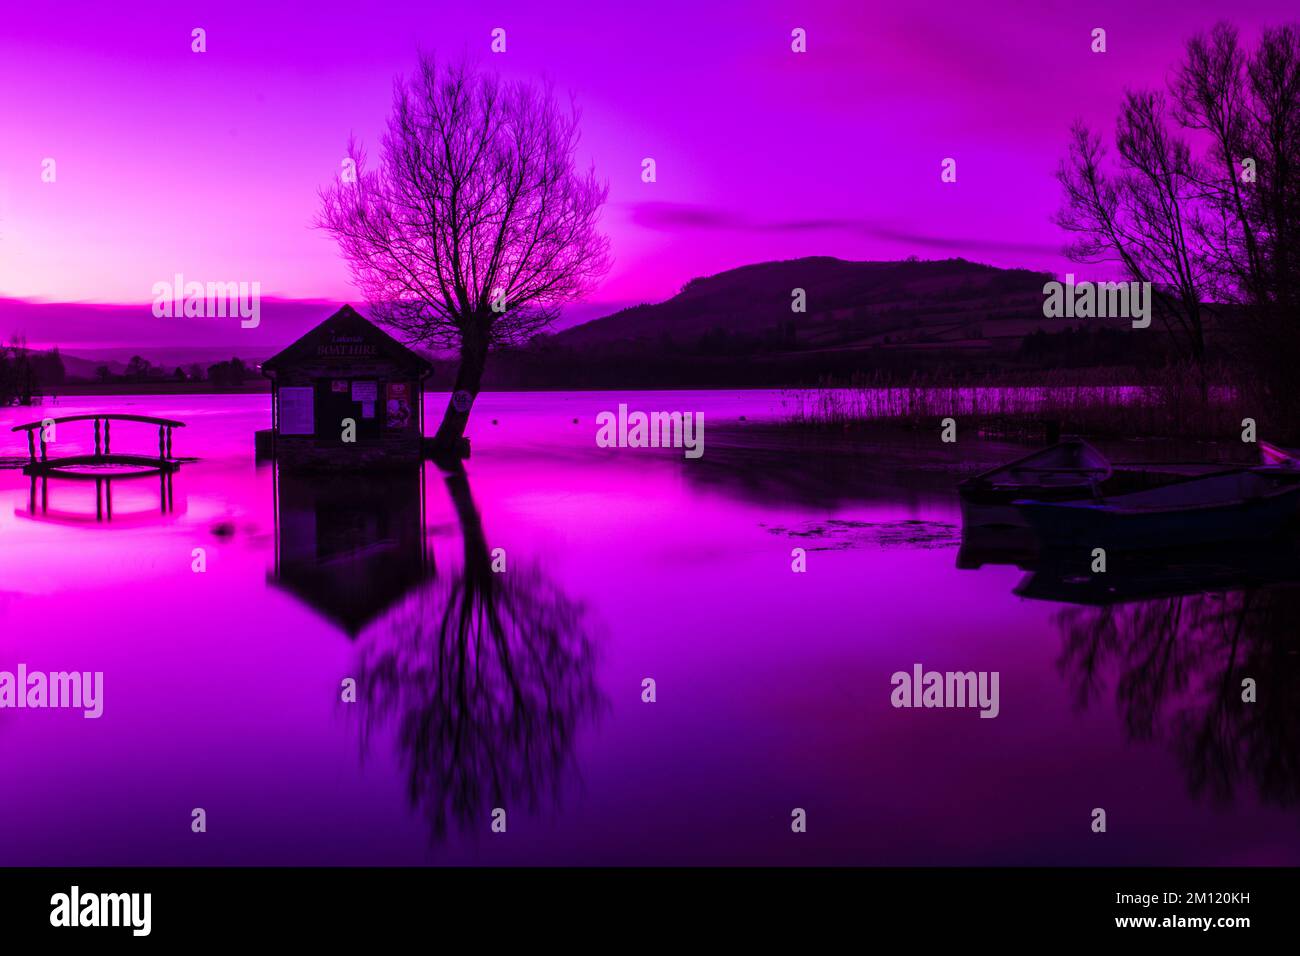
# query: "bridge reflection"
{"points": [[39, 509]]}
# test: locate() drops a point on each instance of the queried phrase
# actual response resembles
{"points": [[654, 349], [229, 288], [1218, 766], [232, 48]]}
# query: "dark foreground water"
{"points": [[523, 691]]}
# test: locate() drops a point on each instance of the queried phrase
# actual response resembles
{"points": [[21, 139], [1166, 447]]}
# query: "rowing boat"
{"points": [[1071, 470], [1240, 505]]}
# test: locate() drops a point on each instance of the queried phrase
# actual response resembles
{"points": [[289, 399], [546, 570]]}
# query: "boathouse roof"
{"points": [[346, 334]]}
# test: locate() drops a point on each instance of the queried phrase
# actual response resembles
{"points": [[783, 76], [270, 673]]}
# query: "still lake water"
{"points": [[523, 690]]}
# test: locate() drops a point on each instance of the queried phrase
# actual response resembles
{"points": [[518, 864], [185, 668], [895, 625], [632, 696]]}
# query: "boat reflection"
{"points": [[484, 679], [996, 544], [1068, 576]]}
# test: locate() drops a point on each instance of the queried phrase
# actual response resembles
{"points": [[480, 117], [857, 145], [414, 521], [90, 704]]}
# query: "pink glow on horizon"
{"points": [[208, 165]]}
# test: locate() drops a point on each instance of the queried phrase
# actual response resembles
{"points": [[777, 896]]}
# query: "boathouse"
{"points": [[347, 396]]}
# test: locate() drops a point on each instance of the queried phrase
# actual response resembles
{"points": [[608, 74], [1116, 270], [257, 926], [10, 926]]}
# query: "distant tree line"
{"points": [[24, 373], [228, 374], [140, 370], [717, 340], [668, 364], [1085, 347]]}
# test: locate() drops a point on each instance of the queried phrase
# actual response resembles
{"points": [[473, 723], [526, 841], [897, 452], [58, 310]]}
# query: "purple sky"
{"points": [[208, 165]]}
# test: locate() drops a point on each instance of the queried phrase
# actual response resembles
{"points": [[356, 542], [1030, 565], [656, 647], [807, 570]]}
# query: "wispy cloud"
{"points": [[674, 217]]}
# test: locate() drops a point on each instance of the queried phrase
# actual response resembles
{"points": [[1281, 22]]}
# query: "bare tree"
{"points": [[1141, 215], [476, 227], [1248, 104], [1218, 228]]}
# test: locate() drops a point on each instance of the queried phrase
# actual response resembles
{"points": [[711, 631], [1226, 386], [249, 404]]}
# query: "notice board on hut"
{"points": [[297, 411]]}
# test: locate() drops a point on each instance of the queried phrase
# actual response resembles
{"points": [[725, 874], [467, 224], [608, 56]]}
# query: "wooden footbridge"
{"points": [[86, 466]]}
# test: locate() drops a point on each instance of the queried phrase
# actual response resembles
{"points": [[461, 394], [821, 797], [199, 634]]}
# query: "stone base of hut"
{"points": [[307, 454], [263, 445]]}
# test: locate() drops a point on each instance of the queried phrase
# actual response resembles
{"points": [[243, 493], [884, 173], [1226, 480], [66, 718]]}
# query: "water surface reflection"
{"points": [[350, 545], [522, 690], [1176, 633], [485, 676], [1178, 664]]}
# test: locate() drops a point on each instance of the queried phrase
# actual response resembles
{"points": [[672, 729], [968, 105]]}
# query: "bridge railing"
{"points": [[103, 444]]}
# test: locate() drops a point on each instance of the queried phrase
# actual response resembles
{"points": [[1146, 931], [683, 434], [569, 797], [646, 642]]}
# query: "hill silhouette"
{"points": [[738, 328], [848, 304]]}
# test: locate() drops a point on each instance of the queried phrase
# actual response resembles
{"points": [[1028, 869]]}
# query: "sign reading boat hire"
{"points": [[347, 346]]}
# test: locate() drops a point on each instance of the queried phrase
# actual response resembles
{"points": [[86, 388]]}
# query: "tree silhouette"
{"points": [[475, 227], [1218, 225]]}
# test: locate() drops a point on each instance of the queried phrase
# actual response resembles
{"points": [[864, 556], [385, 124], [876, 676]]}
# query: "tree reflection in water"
{"points": [[485, 677], [1178, 664]]}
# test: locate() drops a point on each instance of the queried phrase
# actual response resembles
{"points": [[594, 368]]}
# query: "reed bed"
{"points": [[1168, 405]]}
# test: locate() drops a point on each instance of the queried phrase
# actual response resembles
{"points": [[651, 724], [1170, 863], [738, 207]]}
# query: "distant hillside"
{"points": [[849, 304], [949, 317], [737, 328], [86, 368]]}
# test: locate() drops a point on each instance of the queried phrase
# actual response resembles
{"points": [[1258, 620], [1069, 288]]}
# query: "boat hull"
{"points": [[986, 507], [1105, 525]]}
